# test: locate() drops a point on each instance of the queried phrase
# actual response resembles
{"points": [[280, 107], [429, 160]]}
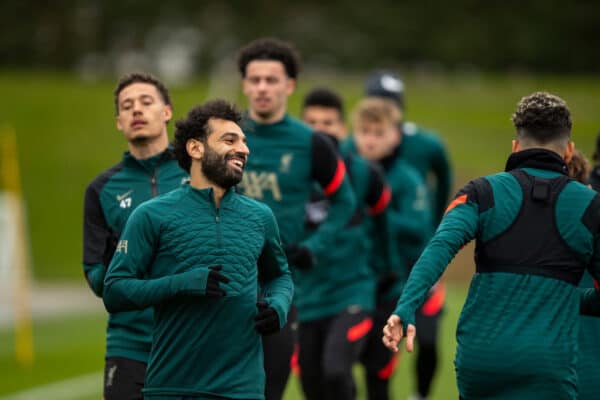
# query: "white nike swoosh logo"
{"points": [[124, 195]]}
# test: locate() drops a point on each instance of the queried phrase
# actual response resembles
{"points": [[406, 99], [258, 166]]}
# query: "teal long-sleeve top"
{"points": [[517, 333], [109, 200], [287, 159], [201, 346]]}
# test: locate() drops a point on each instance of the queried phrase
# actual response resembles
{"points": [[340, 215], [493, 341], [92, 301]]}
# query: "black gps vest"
{"points": [[532, 244]]}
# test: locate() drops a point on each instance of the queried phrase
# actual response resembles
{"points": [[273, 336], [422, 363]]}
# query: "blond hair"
{"points": [[376, 110]]}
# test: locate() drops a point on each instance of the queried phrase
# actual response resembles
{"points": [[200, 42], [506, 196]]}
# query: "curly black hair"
{"points": [[543, 117], [270, 49], [195, 126], [141, 77], [324, 97]]}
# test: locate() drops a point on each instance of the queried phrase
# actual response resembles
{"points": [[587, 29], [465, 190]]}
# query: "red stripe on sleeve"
{"points": [[596, 284], [434, 304], [383, 202], [459, 200], [359, 330], [338, 178]]}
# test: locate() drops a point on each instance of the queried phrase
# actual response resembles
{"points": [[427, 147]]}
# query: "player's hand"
{"points": [[299, 256], [215, 278], [393, 332], [266, 321]]}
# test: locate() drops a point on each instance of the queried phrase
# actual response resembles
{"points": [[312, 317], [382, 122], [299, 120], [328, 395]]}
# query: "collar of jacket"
{"points": [[388, 162], [250, 125], [207, 194], [148, 164], [537, 158]]}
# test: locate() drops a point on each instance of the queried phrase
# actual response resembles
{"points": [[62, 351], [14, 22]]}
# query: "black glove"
{"points": [[299, 256], [212, 282], [266, 321]]}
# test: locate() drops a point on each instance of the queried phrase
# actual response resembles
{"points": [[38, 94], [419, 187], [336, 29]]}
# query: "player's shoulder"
{"points": [[162, 204], [419, 134], [581, 192], [166, 200], [406, 171], [252, 204], [297, 126], [254, 207], [98, 183]]}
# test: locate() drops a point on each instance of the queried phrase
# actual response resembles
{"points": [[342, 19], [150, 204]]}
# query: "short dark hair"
{"points": [[141, 77], [270, 49], [195, 126], [324, 97], [543, 117]]}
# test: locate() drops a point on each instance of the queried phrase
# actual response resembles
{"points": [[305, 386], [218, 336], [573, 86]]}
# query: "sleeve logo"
{"points": [[122, 247]]}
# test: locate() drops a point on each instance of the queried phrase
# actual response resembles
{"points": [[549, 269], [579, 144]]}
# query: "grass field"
{"points": [[73, 347], [66, 136]]}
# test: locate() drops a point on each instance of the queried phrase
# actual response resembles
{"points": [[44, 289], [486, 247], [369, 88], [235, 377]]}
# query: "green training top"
{"points": [[425, 151], [342, 278], [201, 346], [286, 158], [517, 333], [109, 199], [588, 364]]}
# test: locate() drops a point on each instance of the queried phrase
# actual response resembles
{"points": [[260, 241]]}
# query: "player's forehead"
{"points": [[321, 112], [373, 125], [137, 90], [257, 68], [220, 127]]}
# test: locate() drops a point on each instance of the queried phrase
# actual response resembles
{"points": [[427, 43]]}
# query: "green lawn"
{"points": [[66, 135], [70, 347]]}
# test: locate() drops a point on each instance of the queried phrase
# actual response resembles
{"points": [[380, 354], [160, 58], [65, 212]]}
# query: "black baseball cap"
{"points": [[385, 84]]}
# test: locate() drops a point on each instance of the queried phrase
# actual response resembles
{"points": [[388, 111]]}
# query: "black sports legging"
{"points": [[278, 350], [328, 348]]}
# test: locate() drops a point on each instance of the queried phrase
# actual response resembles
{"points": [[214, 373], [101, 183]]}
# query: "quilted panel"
{"points": [[198, 237]]}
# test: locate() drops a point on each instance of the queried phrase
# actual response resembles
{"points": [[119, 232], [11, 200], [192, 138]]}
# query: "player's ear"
{"points": [[195, 149], [168, 113], [290, 86], [516, 146], [568, 152], [118, 123]]}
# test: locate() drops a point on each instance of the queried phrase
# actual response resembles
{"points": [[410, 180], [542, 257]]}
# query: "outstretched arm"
{"points": [[458, 227]]}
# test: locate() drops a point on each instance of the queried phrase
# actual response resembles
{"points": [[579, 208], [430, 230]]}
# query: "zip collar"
{"points": [[537, 158], [148, 164]]}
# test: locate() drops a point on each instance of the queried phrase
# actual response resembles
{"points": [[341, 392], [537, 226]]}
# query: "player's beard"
{"points": [[216, 169]]}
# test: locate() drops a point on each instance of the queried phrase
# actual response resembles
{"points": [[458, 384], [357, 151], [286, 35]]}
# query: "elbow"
{"points": [[110, 297]]}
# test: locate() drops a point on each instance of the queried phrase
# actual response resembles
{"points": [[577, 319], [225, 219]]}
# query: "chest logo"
{"points": [[125, 199], [286, 162], [254, 184]]}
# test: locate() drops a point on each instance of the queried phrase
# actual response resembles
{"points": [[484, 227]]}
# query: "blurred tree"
{"points": [[540, 35]]}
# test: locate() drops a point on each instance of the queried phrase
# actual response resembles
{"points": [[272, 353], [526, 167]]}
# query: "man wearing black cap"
{"points": [[426, 152]]}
